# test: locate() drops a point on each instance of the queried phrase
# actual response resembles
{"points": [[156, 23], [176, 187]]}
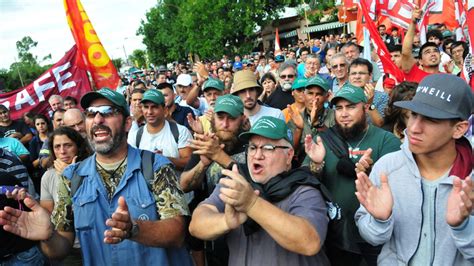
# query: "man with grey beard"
{"points": [[121, 214]]}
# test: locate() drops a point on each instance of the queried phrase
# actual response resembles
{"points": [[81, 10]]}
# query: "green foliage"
{"points": [[138, 58], [118, 63], [317, 9], [27, 69], [176, 28]]}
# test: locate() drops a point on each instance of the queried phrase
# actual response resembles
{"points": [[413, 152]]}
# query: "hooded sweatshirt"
{"points": [[401, 232]]}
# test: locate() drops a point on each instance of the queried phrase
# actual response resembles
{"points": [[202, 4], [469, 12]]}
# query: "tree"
{"points": [[175, 28], [138, 58], [317, 9], [118, 63], [23, 47]]}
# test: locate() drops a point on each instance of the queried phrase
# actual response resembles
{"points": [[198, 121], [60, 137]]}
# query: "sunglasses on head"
{"points": [[104, 110]]}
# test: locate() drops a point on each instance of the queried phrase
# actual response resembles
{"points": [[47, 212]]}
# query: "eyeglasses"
{"points": [[287, 76], [343, 65], [104, 110], [358, 73], [267, 149]]}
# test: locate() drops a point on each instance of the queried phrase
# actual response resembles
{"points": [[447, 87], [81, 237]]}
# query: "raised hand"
{"points": [[377, 201], [369, 91], [416, 14], [121, 224], [315, 151], [459, 201], [295, 117], [195, 124], [34, 225], [236, 191], [365, 162], [314, 112]]}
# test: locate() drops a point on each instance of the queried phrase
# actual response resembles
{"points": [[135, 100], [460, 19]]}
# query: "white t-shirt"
{"points": [[162, 142], [266, 111]]}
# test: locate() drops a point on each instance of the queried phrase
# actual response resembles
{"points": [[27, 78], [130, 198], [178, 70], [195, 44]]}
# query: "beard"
{"points": [[353, 131], [228, 138], [110, 146]]}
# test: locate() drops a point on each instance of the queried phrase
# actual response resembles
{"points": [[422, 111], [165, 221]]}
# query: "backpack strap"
{"points": [[332, 139], [174, 130], [139, 136], [148, 159]]}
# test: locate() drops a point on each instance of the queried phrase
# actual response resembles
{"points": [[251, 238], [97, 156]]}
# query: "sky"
{"points": [[115, 22]]}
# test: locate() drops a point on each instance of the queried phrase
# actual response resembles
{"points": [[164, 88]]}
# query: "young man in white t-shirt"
{"points": [[247, 88], [157, 134]]}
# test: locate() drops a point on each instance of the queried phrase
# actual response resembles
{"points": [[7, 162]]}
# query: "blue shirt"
{"points": [[13, 145], [180, 115], [92, 207]]}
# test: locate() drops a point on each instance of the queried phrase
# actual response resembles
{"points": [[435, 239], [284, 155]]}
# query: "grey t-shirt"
{"points": [[259, 248], [49, 185]]}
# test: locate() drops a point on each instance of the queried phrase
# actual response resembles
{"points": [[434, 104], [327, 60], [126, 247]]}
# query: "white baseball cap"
{"points": [[184, 80]]}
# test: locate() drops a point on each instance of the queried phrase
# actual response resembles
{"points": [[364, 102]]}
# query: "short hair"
{"points": [[60, 110], [349, 44], [305, 49], [314, 56], [338, 55], [463, 44], [446, 42], [426, 45], [55, 96], [434, 33], [138, 90], [286, 65], [362, 62], [381, 25], [71, 99], [394, 48]]}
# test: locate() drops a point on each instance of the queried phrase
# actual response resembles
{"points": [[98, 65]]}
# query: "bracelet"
{"points": [[315, 168]]}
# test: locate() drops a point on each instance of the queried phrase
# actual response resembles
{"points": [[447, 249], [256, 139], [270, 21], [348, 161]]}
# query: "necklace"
{"points": [[112, 173], [354, 150]]}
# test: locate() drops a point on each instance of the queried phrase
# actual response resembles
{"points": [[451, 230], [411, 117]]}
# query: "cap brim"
{"points": [[425, 110], [247, 135], [233, 114]]}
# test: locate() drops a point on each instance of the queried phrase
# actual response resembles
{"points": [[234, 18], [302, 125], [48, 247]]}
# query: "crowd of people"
{"points": [[312, 155]]}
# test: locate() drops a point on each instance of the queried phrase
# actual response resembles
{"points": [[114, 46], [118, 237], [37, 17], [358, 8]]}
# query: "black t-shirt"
{"points": [[280, 99], [15, 126]]}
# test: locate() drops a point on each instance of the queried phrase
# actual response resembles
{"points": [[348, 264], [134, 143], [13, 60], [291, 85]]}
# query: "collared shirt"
{"points": [[180, 115], [94, 202]]}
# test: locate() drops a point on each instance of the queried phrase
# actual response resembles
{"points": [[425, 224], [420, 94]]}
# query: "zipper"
{"points": [[422, 218], [433, 248]]}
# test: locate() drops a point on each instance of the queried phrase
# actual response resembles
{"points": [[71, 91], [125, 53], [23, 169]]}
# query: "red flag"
{"points": [[277, 43], [379, 45], [64, 78], [93, 57]]}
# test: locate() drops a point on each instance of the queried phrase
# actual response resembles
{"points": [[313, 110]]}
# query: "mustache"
{"points": [[100, 127]]}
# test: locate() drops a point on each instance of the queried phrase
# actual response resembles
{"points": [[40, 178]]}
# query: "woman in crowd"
{"points": [[43, 128], [66, 146], [269, 85], [395, 117]]}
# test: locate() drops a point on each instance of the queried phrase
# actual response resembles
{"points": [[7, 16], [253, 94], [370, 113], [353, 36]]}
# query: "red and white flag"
{"points": [[277, 43], [423, 23]]}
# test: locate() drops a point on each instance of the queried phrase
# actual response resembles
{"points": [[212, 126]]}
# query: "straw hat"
{"points": [[245, 79]]}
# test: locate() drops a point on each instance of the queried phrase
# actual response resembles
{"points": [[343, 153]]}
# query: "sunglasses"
{"points": [[104, 110], [287, 76], [340, 65]]}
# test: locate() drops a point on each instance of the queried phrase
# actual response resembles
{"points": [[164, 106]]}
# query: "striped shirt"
{"points": [[10, 163]]}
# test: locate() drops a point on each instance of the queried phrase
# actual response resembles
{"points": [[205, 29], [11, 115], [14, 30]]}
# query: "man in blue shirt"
{"points": [[119, 216]]}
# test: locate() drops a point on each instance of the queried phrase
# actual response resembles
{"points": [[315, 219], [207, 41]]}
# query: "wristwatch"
{"points": [[133, 231], [372, 107]]}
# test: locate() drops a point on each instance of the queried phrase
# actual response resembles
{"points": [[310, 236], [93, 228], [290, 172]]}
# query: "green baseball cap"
{"points": [[154, 96], [116, 98], [230, 104], [351, 93], [299, 83], [212, 83], [269, 127], [317, 81]]}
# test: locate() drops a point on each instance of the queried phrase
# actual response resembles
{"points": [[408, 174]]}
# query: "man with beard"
{"points": [[247, 88], [268, 213], [429, 56], [175, 112], [119, 217], [281, 97], [351, 145], [13, 128], [157, 134], [212, 153]]}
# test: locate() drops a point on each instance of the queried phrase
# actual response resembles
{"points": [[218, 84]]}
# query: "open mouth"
{"points": [[257, 168], [100, 132]]}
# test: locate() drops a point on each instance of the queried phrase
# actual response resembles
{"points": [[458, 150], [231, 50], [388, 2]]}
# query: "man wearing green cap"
{"points": [[212, 89], [119, 217], [157, 134], [351, 146], [316, 117], [270, 214]]}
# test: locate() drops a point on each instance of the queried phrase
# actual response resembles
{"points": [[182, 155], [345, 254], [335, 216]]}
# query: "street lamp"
{"points": [[125, 52]]}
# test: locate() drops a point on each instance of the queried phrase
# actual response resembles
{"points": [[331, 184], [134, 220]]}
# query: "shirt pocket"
{"points": [[85, 207], [142, 209]]}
